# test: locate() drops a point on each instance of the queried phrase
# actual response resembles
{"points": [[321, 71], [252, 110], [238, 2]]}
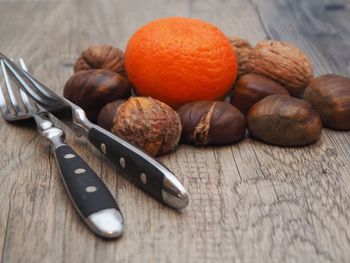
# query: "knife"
{"points": [[134, 164]]}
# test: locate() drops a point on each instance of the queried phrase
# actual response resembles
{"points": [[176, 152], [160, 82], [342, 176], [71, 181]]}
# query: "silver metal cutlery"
{"points": [[91, 198], [134, 164]]}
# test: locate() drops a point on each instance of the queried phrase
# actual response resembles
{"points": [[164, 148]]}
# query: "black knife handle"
{"points": [[87, 191], [135, 165]]}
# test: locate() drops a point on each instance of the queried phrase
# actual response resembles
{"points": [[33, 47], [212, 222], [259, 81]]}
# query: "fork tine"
{"points": [[23, 95], [4, 109], [8, 86], [23, 65], [38, 86], [36, 89], [24, 83], [36, 83]]}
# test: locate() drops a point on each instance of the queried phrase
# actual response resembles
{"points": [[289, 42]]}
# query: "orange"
{"points": [[178, 60]]}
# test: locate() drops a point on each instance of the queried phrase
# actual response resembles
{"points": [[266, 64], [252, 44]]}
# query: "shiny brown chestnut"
{"points": [[330, 96], [101, 57], [106, 115], [285, 121], [211, 123], [92, 89], [251, 88]]}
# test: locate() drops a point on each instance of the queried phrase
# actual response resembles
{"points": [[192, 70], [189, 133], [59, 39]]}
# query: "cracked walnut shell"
{"points": [[149, 124], [282, 62]]}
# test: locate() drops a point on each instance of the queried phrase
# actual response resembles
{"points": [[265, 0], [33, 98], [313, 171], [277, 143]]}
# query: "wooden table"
{"points": [[250, 202]]}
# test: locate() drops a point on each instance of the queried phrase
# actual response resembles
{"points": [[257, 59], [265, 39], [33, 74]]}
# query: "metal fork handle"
{"points": [[46, 128], [90, 196], [137, 166]]}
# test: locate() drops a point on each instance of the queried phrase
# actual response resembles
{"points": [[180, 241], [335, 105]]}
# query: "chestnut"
{"points": [[211, 123], [101, 57], [92, 89], [149, 124], [285, 121], [107, 113], [330, 96], [251, 88]]}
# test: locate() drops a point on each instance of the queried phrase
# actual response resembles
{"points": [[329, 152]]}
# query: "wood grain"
{"points": [[321, 29], [250, 202]]}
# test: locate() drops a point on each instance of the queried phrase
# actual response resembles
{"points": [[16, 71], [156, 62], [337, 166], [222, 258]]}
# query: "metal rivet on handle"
{"points": [[143, 178], [90, 189], [103, 148], [79, 171], [122, 162], [69, 156]]}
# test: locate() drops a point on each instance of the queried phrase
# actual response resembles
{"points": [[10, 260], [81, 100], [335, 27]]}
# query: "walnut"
{"points": [[282, 62], [242, 48], [101, 57], [149, 124]]}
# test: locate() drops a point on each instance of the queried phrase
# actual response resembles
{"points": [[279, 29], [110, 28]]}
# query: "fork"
{"points": [[89, 195]]}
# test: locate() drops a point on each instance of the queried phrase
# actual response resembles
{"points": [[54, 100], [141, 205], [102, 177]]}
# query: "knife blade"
{"points": [[134, 164]]}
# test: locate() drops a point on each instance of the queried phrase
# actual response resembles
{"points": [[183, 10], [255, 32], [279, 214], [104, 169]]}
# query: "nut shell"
{"points": [[149, 124], [107, 114], [101, 57], [242, 49], [282, 62], [284, 120], [251, 88], [330, 96], [92, 89], [211, 123]]}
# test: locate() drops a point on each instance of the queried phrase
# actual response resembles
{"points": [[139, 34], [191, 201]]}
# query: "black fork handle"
{"points": [[88, 193], [140, 168]]}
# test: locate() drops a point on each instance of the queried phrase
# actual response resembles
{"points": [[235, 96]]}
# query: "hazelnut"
{"points": [[251, 88], [211, 123], [284, 120], [242, 49], [106, 115], [282, 62], [149, 124], [101, 57], [92, 89], [330, 96]]}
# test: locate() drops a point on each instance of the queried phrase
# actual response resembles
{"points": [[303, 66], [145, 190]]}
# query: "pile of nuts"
{"points": [[276, 97]]}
